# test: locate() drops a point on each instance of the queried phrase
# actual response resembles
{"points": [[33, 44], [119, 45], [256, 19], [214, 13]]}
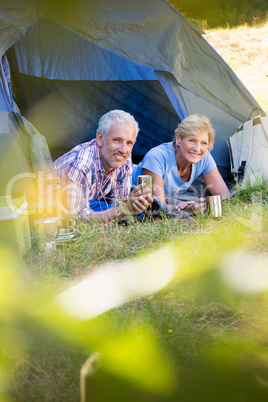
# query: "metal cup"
{"points": [[214, 204], [148, 180], [46, 230]]}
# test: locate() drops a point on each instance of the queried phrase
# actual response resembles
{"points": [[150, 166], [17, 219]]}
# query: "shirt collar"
{"points": [[98, 162]]}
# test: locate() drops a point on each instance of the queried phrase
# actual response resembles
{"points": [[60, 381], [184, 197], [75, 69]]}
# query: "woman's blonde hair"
{"points": [[195, 124]]}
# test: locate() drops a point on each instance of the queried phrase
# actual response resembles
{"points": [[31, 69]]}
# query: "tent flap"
{"points": [[73, 61]]}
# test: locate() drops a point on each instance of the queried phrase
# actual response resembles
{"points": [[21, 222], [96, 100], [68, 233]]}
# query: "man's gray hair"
{"points": [[113, 116]]}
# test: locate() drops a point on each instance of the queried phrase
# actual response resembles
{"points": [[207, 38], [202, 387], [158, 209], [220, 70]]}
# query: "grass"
{"points": [[213, 336], [225, 14], [245, 50], [192, 319]]}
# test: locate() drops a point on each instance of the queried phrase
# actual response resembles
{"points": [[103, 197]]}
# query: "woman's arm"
{"points": [[159, 191], [215, 183], [213, 180]]}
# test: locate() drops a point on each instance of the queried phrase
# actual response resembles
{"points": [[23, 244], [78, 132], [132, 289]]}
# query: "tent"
{"points": [[65, 63]]}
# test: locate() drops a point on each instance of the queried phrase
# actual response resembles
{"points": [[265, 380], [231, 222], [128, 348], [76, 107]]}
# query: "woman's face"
{"points": [[193, 147]]}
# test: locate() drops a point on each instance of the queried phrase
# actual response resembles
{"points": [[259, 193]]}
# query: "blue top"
{"points": [[161, 160]]}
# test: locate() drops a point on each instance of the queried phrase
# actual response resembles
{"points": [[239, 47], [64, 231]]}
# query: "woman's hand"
{"points": [[197, 206], [186, 206]]}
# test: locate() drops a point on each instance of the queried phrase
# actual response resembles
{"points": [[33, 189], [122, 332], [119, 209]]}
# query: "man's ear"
{"points": [[99, 139]]}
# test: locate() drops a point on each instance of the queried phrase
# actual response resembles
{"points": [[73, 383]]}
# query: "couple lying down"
{"points": [[183, 170], [96, 177]]}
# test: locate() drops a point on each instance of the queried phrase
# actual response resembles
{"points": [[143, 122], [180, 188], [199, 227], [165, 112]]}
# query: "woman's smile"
{"points": [[192, 148]]}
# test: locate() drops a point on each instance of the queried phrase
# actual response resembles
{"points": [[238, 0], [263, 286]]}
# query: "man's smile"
{"points": [[119, 156]]}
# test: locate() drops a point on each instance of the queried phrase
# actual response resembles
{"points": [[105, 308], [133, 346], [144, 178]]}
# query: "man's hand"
{"points": [[197, 206], [139, 199]]}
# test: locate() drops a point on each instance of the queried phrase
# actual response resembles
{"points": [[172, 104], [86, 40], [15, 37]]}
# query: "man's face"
{"points": [[117, 146]]}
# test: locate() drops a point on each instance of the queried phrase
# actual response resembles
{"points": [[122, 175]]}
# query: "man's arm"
{"points": [[77, 196], [137, 202]]}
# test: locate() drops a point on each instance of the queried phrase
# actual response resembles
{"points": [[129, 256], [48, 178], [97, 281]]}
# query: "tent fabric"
{"points": [[73, 61], [26, 166], [64, 61], [248, 149], [6, 99], [149, 34], [68, 123]]}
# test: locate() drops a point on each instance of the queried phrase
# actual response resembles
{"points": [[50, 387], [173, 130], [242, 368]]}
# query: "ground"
{"points": [[245, 49]]}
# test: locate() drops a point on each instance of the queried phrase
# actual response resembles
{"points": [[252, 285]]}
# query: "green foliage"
{"points": [[248, 191], [222, 13], [200, 335]]}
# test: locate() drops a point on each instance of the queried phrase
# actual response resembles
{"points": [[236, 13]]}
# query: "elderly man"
{"points": [[96, 176]]}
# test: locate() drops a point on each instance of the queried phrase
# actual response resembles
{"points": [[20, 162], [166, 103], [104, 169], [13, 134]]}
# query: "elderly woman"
{"points": [[179, 166]]}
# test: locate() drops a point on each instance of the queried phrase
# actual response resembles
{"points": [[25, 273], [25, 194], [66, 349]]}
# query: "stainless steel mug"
{"points": [[46, 230], [214, 204], [148, 180]]}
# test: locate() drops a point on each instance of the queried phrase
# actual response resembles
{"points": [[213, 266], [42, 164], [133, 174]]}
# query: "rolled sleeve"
{"points": [[209, 163], [155, 162]]}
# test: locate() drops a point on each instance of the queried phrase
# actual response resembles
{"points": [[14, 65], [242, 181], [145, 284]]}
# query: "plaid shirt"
{"points": [[83, 179]]}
